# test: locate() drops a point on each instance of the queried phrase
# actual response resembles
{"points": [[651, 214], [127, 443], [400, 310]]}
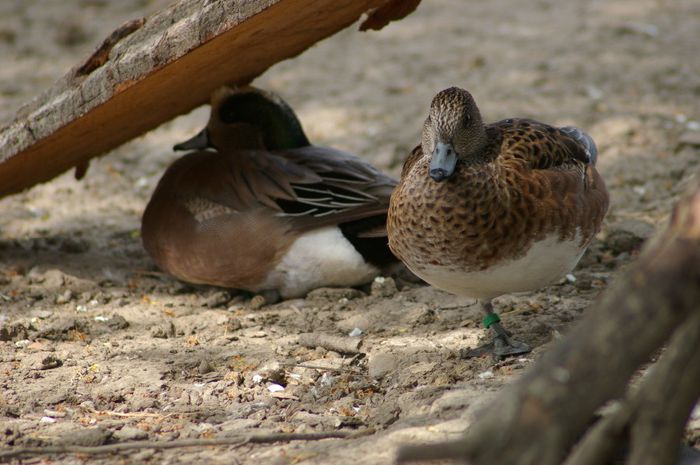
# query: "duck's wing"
{"points": [[411, 160], [556, 165], [542, 146], [309, 187], [334, 188]]}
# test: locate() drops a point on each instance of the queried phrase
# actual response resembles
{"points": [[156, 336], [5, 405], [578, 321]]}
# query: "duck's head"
{"points": [[452, 131], [248, 118]]}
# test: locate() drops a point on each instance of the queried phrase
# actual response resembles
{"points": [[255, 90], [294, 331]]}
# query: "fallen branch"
{"points": [[344, 345], [235, 441], [340, 369], [538, 419], [666, 399]]}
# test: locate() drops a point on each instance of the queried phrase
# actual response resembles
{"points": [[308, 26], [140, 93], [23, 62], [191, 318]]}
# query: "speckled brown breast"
{"points": [[491, 212]]}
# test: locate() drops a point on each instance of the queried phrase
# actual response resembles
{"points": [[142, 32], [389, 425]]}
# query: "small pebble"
{"points": [[218, 299], [233, 324], [257, 302], [163, 331], [584, 284], [383, 287], [693, 125], [54, 279], [623, 241], [380, 365], [65, 297], [128, 433], [87, 437], [356, 332], [54, 413], [50, 362], [326, 380], [204, 367]]}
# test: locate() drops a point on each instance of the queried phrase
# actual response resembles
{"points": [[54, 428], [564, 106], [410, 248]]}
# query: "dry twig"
{"points": [[344, 345]]}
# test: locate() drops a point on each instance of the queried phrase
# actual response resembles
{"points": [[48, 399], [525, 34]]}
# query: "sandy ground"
{"points": [[95, 347]]}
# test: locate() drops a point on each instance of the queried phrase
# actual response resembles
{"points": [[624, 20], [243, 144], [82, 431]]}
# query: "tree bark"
{"points": [[655, 413], [666, 399], [150, 70], [539, 418]]}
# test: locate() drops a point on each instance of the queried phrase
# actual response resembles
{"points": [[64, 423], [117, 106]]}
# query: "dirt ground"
{"points": [[97, 347]]}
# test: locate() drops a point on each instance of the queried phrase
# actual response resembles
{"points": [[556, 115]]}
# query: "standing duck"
{"points": [[485, 210], [256, 207]]}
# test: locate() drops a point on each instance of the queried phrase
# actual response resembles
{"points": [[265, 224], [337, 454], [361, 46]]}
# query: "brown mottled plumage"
{"points": [[257, 207], [484, 210]]}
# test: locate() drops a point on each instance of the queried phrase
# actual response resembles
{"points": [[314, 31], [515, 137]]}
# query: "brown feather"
{"points": [[525, 182]]}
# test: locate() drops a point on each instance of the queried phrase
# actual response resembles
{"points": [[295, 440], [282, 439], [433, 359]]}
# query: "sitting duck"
{"points": [[254, 206]]}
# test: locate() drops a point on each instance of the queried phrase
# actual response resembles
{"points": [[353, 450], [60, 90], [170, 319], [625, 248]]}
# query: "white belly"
{"points": [[545, 262], [316, 259]]}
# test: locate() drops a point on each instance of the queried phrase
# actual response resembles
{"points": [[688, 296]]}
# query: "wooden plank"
{"points": [[152, 70]]}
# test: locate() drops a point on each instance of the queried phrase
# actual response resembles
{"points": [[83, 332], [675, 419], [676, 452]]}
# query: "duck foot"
{"points": [[499, 349], [502, 346], [505, 346]]}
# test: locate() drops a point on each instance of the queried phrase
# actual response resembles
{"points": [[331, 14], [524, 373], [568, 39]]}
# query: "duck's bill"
{"points": [[198, 142], [443, 162]]}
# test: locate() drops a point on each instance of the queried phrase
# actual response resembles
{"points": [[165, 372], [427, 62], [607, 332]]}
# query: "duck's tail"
{"points": [[585, 140]]}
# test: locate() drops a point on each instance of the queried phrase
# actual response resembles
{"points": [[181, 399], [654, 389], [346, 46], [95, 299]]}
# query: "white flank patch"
{"points": [[546, 262], [319, 258]]}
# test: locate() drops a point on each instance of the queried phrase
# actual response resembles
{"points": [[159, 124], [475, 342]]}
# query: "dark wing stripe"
{"points": [[326, 198], [315, 186]]}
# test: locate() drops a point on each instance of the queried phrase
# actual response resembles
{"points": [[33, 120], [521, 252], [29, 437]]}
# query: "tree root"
{"points": [[654, 423]]}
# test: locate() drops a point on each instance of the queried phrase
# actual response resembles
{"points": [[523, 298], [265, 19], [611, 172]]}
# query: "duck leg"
{"points": [[503, 345]]}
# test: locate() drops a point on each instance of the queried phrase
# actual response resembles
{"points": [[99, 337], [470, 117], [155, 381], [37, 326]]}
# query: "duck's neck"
{"points": [[239, 137], [482, 146], [477, 148]]}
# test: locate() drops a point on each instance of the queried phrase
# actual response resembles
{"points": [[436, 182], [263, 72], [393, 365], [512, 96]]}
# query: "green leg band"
{"points": [[490, 319]]}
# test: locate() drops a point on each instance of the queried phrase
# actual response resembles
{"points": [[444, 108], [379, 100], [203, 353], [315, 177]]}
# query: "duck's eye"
{"points": [[228, 114]]}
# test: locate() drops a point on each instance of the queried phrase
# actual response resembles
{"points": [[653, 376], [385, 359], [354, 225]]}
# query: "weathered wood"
{"points": [[655, 413], [344, 345], [149, 71], [666, 399]]}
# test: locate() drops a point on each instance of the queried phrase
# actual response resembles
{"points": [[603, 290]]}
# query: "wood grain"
{"points": [[153, 70]]}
